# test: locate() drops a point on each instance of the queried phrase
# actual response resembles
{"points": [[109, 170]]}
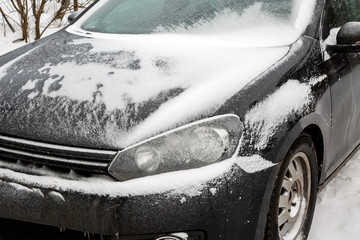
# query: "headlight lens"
{"points": [[209, 144], [147, 159], [191, 146]]}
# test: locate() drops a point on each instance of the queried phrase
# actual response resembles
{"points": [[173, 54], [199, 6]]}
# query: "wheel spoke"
{"points": [[292, 170], [300, 176], [285, 228], [284, 201], [287, 183], [283, 217]]}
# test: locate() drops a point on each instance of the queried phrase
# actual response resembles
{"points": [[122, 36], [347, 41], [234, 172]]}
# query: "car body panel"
{"points": [[344, 87]]}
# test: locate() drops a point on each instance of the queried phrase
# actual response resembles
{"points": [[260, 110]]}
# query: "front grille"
{"points": [[64, 157]]}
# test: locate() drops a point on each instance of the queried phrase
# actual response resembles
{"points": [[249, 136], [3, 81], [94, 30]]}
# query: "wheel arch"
{"points": [[318, 129], [315, 132]]}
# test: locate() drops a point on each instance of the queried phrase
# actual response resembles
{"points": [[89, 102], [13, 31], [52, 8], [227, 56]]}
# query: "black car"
{"points": [[188, 119]]}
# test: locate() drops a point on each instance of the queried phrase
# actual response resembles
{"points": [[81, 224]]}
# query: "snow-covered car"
{"points": [[187, 119]]}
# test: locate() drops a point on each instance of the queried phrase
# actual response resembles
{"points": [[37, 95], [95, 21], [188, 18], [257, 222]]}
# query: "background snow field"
{"points": [[337, 211]]}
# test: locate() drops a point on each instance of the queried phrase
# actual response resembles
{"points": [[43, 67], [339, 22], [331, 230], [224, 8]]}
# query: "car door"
{"points": [[344, 79]]}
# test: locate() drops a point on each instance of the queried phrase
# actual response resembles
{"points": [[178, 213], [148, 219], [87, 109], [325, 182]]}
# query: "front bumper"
{"points": [[231, 205]]}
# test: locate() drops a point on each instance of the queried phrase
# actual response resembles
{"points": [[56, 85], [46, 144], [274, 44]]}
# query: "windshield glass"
{"points": [[190, 16]]}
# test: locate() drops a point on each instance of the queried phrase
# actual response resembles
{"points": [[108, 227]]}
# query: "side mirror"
{"points": [[348, 39], [349, 33], [73, 16]]}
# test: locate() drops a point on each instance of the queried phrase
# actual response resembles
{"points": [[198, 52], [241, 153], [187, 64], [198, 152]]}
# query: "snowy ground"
{"points": [[7, 42], [337, 212]]}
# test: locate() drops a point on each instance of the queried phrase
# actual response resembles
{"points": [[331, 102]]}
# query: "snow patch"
{"points": [[244, 28], [330, 40], [58, 197], [29, 85], [213, 191], [290, 99], [182, 235], [38, 192], [253, 164], [315, 80], [302, 16], [337, 211], [21, 188], [233, 29], [186, 183], [160, 67], [26, 190]]}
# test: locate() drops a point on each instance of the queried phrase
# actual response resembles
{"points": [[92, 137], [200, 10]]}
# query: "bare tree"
{"points": [[31, 11], [7, 20], [22, 8], [76, 5], [38, 10]]}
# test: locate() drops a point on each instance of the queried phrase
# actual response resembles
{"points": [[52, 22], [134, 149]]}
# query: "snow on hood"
{"points": [[138, 72], [119, 92]]}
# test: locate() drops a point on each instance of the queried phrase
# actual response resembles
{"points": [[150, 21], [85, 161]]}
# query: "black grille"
{"points": [[89, 160]]}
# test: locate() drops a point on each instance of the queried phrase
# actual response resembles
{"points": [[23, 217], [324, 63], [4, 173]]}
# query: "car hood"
{"points": [[103, 93]]}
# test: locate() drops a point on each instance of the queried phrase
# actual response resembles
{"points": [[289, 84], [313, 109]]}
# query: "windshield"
{"points": [[210, 16]]}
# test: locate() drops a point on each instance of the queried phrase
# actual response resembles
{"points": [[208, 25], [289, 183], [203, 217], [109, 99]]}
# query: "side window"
{"points": [[337, 13]]}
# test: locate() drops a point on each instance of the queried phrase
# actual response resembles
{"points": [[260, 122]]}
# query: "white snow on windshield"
{"points": [[257, 26]]}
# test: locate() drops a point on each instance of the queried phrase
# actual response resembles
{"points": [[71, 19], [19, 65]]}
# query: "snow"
{"points": [[29, 85], [330, 40], [210, 78], [235, 29], [187, 182], [291, 98], [304, 14], [231, 28], [182, 235], [58, 197], [254, 164], [220, 85], [6, 43], [337, 210], [213, 191], [147, 81]]}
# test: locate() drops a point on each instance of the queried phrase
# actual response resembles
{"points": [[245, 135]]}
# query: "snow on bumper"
{"points": [[172, 202]]}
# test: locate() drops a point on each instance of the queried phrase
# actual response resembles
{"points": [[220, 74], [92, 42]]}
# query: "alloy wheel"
{"points": [[294, 197]]}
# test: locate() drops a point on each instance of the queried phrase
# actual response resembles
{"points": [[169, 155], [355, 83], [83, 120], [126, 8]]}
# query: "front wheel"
{"points": [[294, 196]]}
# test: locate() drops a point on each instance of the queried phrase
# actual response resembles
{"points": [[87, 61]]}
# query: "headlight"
{"points": [[147, 159], [190, 146]]}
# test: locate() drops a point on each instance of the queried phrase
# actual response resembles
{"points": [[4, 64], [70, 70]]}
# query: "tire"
{"points": [[293, 199]]}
